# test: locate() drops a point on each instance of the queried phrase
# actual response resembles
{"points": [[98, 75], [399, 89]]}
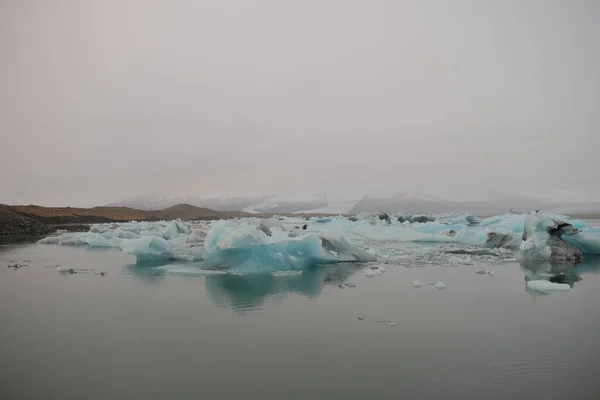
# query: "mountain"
{"points": [[258, 204], [154, 202], [69, 215], [414, 203], [498, 204]]}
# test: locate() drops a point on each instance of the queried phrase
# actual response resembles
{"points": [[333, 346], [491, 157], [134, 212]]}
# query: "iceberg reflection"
{"points": [[249, 292]]}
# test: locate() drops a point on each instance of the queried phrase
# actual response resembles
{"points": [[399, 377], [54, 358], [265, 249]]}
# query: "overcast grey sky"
{"points": [[105, 99]]}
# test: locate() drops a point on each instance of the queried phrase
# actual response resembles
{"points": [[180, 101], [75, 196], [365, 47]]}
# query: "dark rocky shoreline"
{"points": [[22, 226]]}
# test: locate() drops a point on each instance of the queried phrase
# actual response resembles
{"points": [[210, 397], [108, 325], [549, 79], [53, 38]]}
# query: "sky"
{"points": [[106, 99]]}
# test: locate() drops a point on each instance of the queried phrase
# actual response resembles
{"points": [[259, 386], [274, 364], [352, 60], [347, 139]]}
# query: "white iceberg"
{"points": [[547, 287]]}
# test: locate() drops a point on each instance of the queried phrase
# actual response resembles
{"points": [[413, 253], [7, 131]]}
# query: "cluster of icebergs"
{"points": [[295, 243]]}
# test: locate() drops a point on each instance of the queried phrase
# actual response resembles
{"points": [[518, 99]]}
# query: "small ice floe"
{"points": [[65, 270], [374, 270], [346, 285], [17, 265], [439, 285], [387, 322], [490, 272], [547, 286], [361, 318], [286, 273]]}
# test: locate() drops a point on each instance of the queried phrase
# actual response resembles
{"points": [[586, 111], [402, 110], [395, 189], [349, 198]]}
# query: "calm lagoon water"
{"points": [[138, 334]]}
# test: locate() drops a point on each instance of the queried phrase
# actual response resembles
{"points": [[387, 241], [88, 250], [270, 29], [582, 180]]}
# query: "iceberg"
{"points": [[248, 248], [542, 239], [147, 248], [295, 243]]}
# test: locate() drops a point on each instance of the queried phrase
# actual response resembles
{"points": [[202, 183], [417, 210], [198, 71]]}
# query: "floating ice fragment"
{"points": [[387, 322], [416, 284], [546, 286], [190, 270], [286, 273], [374, 270], [440, 285]]}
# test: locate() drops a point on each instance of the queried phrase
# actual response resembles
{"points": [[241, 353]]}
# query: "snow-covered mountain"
{"points": [[418, 203]]}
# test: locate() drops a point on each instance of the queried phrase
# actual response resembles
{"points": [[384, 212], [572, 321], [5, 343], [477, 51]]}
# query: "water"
{"points": [[136, 334]]}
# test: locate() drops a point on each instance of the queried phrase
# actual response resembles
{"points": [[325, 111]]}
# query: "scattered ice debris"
{"points": [[361, 318], [286, 273], [65, 270], [438, 285], [547, 286], [17, 265], [346, 285], [374, 270], [387, 322], [490, 272], [476, 252]]}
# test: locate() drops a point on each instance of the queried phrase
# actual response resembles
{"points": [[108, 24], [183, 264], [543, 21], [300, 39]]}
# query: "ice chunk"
{"points": [[97, 240], [147, 248], [416, 284], [126, 234], [266, 225], [546, 286], [174, 229], [542, 239], [50, 240], [440, 285], [502, 239], [196, 236], [588, 241], [374, 271], [387, 322]]}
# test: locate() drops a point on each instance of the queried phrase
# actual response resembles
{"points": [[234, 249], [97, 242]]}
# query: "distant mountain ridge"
{"points": [[68, 215], [255, 205], [494, 206], [414, 202]]}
